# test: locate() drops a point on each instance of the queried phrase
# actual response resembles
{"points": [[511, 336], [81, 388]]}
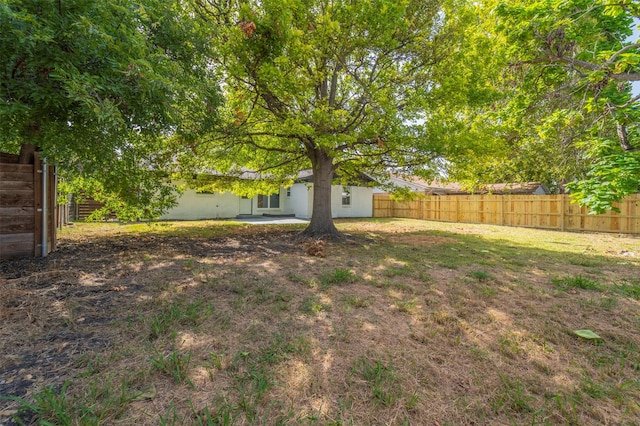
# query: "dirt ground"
{"points": [[38, 347]]}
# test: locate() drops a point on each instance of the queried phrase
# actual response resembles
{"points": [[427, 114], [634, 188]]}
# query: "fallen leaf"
{"points": [[149, 393], [587, 334]]}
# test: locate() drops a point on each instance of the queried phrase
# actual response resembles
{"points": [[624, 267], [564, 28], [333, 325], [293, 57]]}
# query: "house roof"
{"points": [[303, 176], [307, 176]]}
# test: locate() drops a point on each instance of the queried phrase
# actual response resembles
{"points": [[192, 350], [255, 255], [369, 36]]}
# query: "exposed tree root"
{"points": [[323, 234]]}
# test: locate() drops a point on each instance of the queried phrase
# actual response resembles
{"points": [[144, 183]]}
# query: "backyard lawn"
{"points": [[410, 322]]}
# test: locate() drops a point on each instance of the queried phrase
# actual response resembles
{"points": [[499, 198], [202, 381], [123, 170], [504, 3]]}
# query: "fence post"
{"points": [[562, 213], [52, 191], [38, 200]]}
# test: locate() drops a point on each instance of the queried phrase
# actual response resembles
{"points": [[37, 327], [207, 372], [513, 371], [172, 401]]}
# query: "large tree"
{"points": [[98, 85], [341, 87], [568, 112]]}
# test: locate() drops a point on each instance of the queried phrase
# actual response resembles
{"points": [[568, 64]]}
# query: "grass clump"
{"points": [[578, 281], [406, 306], [356, 301], [338, 276], [480, 275], [512, 396], [174, 364], [629, 288], [178, 313], [97, 404], [312, 305], [402, 271], [382, 379]]}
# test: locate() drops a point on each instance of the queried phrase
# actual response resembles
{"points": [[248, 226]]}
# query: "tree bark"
{"points": [[321, 225], [623, 137], [27, 152]]}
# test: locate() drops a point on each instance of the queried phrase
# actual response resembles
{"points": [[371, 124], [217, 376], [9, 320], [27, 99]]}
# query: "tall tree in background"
{"points": [[568, 113], [98, 85], [340, 87]]}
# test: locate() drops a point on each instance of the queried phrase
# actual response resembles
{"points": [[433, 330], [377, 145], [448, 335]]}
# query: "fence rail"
{"points": [[531, 211]]}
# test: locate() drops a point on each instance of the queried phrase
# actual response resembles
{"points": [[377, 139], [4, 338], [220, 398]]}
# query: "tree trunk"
{"points": [[321, 225], [27, 152]]}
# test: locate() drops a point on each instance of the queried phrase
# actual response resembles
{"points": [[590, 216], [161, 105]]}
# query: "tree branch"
{"points": [[252, 142], [613, 57], [283, 163], [632, 76]]}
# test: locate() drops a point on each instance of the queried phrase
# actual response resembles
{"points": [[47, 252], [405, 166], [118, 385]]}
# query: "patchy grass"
{"points": [[413, 323], [584, 283]]}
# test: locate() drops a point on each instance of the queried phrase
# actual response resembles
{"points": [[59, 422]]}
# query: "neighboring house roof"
{"points": [[437, 187], [536, 188]]}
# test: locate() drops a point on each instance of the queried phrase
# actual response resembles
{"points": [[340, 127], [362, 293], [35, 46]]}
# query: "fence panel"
{"points": [[554, 212], [17, 203], [21, 207]]}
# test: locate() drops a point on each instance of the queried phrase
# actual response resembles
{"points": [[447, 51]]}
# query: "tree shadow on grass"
{"points": [[440, 307]]}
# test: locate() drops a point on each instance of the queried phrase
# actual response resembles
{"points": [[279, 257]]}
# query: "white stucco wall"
{"points": [[194, 206], [300, 202], [361, 202]]}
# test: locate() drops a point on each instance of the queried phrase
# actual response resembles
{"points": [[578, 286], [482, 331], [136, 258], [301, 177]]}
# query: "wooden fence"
{"points": [[25, 196], [82, 210], [532, 211]]}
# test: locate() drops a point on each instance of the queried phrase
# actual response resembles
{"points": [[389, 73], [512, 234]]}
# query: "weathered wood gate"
{"points": [[27, 207]]}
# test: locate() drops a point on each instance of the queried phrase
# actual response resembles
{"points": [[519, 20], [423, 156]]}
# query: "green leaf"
{"points": [[587, 334]]}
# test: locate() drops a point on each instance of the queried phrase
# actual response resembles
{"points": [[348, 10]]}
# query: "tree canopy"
{"points": [[122, 93], [98, 85], [339, 87], [567, 113]]}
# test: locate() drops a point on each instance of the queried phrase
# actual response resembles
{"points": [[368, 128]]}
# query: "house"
{"points": [[296, 200], [437, 187]]}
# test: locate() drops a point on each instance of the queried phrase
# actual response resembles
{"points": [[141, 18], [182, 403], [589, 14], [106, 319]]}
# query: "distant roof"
{"points": [[517, 188], [437, 187]]}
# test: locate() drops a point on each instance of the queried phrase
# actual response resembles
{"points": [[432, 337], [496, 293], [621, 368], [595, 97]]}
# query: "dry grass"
{"points": [[418, 323]]}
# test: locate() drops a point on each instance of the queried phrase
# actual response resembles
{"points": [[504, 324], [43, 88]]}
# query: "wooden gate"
{"points": [[27, 207]]}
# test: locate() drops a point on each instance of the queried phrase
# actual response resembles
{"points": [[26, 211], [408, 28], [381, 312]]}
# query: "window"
{"points": [[346, 196], [288, 192], [269, 201]]}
